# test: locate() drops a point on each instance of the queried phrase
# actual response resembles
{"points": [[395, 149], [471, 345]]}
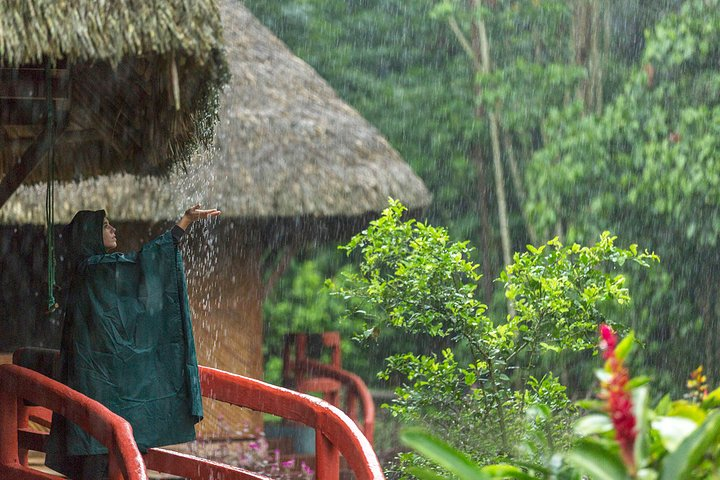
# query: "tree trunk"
{"points": [[518, 188], [482, 201], [590, 27], [492, 113]]}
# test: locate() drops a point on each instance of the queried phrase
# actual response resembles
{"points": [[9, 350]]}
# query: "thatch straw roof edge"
{"points": [[90, 30]]}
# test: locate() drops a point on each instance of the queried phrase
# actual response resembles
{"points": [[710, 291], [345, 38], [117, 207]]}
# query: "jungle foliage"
{"points": [[634, 159], [539, 119]]}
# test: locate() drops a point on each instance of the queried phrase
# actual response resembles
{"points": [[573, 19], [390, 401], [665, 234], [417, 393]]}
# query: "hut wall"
{"points": [[228, 336]]}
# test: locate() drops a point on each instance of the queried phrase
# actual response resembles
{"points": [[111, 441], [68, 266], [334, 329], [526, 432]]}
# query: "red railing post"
{"points": [[23, 422], [8, 429], [351, 406], [114, 472], [327, 458], [335, 432]]}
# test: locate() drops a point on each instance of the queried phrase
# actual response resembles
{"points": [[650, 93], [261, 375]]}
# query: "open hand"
{"points": [[195, 213]]}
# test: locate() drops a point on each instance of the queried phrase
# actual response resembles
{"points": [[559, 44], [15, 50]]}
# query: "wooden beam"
{"points": [[22, 137], [30, 159]]}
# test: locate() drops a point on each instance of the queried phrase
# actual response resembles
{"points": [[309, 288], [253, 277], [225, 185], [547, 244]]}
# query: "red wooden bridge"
{"points": [[27, 395]]}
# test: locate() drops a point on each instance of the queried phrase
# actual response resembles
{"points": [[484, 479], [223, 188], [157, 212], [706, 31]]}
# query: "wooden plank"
{"points": [[33, 83], [31, 440], [22, 136], [28, 111], [19, 472], [11, 74], [195, 468], [29, 160]]}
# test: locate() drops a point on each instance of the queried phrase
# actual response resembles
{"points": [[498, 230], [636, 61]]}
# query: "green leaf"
{"points": [[625, 346], [597, 461], [640, 411], [638, 381], [592, 424], [712, 400], [443, 454], [533, 467], [547, 346], [673, 431], [664, 405], [506, 471], [591, 405], [681, 408], [424, 473], [680, 463]]}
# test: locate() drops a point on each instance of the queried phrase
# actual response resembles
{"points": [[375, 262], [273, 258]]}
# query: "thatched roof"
{"points": [[286, 146], [136, 81]]}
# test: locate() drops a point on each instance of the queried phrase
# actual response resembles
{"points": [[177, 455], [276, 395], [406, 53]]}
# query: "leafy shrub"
{"points": [[477, 391]]}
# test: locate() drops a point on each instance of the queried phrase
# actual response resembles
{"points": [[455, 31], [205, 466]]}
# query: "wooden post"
{"points": [[29, 160], [114, 472], [351, 405], [22, 422], [327, 458]]}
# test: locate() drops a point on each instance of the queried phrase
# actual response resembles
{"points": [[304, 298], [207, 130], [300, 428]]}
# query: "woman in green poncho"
{"points": [[127, 341]]}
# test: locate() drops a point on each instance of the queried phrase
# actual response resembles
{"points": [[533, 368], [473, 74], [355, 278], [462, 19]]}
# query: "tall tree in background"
{"points": [[495, 67], [649, 166], [591, 44]]}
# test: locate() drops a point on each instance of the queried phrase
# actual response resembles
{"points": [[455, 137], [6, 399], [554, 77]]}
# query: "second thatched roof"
{"points": [[285, 146]]}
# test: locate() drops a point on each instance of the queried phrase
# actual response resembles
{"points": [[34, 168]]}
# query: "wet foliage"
{"points": [[606, 121], [623, 435], [477, 391]]}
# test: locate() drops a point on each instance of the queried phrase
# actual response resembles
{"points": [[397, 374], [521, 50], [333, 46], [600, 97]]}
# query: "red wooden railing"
{"points": [[357, 393], [335, 433], [308, 374], [18, 384]]}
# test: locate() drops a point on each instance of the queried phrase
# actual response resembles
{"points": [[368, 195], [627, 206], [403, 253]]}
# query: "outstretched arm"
{"points": [[194, 213]]}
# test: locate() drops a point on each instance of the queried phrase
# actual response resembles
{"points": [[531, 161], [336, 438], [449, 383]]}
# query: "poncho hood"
{"points": [[84, 235]]}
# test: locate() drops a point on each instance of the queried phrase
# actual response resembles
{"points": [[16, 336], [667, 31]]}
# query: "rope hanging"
{"points": [[50, 192]]}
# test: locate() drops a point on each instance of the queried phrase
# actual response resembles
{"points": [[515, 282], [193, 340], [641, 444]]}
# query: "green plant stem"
{"points": [[476, 349], [531, 359], [498, 403]]}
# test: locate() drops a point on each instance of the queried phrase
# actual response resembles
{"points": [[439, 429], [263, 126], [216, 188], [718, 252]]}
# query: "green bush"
{"points": [[477, 392]]}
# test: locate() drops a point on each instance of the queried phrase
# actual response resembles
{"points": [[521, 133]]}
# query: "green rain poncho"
{"points": [[127, 342]]}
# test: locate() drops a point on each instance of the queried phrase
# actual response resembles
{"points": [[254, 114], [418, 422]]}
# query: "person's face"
{"points": [[109, 240]]}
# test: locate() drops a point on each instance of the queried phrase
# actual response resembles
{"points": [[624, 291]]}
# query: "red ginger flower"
{"points": [[608, 341], [617, 394]]}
